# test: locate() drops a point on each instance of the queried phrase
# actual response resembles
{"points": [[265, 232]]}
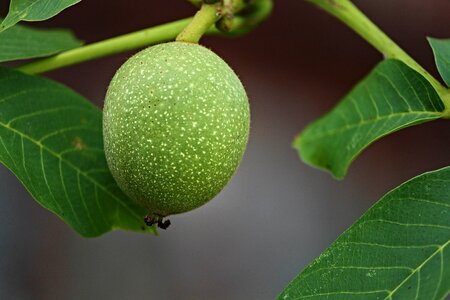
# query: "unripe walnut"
{"points": [[175, 124]]}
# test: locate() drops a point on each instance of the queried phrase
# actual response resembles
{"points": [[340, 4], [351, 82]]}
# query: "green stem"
{"points": [[349, 14], [138, 39], [119, 44], [202, 21]]}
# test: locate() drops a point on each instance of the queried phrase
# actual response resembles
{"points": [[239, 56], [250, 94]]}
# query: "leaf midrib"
{"points": [[439, 250], [392, 292], [373, 120], [17, 14], [37, 143], [26, 9]]}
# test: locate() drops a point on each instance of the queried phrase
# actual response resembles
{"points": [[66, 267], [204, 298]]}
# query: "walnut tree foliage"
{"points": [[51, 139]]}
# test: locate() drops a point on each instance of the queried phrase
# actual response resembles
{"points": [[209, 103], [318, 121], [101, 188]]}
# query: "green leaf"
{"points": [[398, 250], [51, 139], [391, 97], [33, 10], [21, 42], [441, 50]]}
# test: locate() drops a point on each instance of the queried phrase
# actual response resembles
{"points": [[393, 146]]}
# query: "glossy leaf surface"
{"points": [[441, 49], [399, 249], [51, 139], [391, 97], [33, 10], [22, 42]]}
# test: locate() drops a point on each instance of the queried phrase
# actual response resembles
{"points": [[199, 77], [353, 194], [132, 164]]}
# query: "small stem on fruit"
{"points": [[202, 21], [349, 14]]}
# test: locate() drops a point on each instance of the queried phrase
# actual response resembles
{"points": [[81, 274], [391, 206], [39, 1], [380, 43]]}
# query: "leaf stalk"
{"points": [[138, 39], [349, 14], [259, 11]]}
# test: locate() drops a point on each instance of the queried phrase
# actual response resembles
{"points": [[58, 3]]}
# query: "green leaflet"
{"points": [[21, 42], [33, 10], [391, 97], [441, 49], [399, 249], [51, 139]]}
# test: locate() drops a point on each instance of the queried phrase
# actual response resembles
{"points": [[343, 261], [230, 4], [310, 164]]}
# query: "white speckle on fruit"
{"points": [[176, 123]]}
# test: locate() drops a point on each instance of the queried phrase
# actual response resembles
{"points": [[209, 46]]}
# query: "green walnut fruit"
{"points": [[175, 124]]}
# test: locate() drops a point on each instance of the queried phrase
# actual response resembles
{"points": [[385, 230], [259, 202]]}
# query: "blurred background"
{"points": [[277, 214]]}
